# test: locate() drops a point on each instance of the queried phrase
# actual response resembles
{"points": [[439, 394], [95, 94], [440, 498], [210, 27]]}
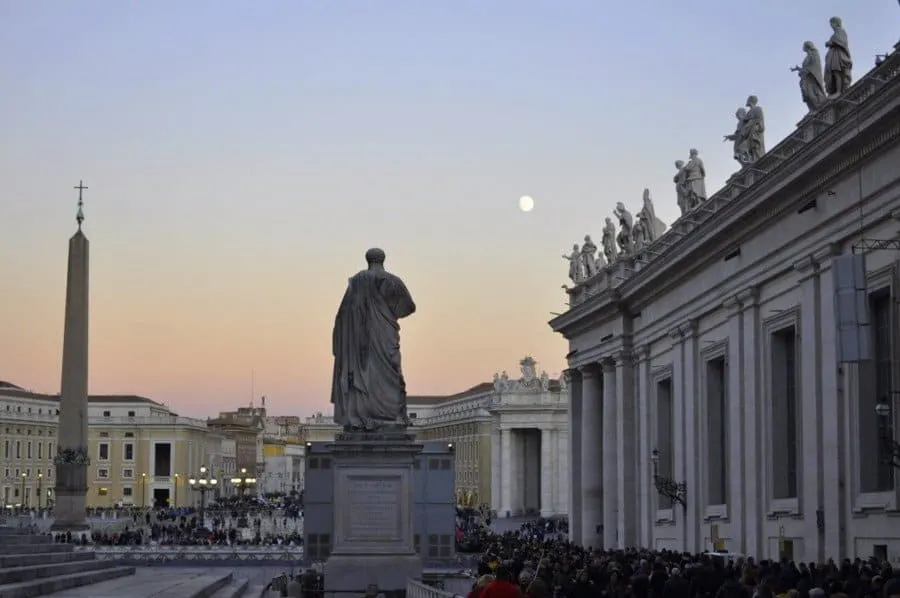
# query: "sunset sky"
{"points": [[242, 156]]}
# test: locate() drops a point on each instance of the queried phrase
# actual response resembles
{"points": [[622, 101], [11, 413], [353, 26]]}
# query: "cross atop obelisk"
{"points": [[79, 217]]}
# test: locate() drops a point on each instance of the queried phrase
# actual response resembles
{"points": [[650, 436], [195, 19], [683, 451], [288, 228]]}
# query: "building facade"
{"points": [[709, 408], [141, 452]]}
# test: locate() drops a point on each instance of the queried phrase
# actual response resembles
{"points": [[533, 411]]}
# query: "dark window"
{"points": [[785, 414], [162, 459]]}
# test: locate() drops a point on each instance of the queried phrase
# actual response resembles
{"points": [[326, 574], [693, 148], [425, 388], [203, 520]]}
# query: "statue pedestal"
{"points": [[373, 514]]}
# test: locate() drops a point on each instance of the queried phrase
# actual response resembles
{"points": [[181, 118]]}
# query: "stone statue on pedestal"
{"points": [[639, 234], [739, 137], [653, 226], [681, 189], [812, 84], [838, 62], [368, 389], [626, 223], [576, 269], [755, 130], [694, 181], [609, 241], [590, 261]]}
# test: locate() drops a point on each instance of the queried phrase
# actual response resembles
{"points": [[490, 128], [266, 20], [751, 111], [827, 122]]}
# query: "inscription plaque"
{"points": [[373, 509]]}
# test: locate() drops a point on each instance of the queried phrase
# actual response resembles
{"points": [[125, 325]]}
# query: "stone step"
{"points": [[48, 585], [237, 588], [12, 531], [27, 539], [156, 582], [41, 548], [42, 570], [49, 558]]}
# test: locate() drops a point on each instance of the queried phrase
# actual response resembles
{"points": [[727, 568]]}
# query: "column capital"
{"points": [[675, 334], [748, 297], [688, 328], [731, 304], [608, 364], [641, 353], [588, 370], [622, 357]]}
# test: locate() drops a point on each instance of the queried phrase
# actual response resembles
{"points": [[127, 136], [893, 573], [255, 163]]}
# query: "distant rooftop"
{"points": [[8, 389], [433, 399]]}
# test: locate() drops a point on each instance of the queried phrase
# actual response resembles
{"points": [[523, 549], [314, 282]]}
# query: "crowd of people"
{"points": [[538, 561]]}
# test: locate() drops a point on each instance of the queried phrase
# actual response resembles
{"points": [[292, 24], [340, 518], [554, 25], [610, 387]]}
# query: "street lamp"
{"points": [[892, 447], [667, 487], [40, 489], [143, 490], [24, 502], [175, 497], [243, 481], [203, 483]]}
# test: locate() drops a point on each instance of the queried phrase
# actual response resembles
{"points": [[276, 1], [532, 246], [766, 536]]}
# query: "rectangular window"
{"points": [[18, 449], [106, 414], [49, 450], [103, 473], [126, 492], [665, 419], [6, 449], [102, 491], [876, 474], [103, 453], [131, 414], [128, 474], [785, 413], [716, 426], [40, 450], [128, 451], [28, 450], [162, 459]]}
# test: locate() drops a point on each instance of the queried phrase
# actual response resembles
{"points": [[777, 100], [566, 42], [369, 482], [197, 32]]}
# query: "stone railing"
{"points": [[196, 553], [417, 589], [740, 185]]}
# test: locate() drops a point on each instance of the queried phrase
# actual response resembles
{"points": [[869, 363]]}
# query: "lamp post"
{"points": [[243, 481], [884, 411], [175, 493], [143, 490], [24, 502], [203, 483], [667, 487], [40, 489]]}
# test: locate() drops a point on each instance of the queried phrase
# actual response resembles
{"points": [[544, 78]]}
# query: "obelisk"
{"points": [[72, 459]]}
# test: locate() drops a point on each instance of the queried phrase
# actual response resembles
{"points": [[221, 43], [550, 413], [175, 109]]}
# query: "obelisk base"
{"points": [[70, 498], [373, 514]]}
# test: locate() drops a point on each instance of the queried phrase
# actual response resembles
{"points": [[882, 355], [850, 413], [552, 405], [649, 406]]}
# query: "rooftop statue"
{"points": [[576, 269], [680, 186], [653, 226], [694, 181], [755, 131], [626, 223], [639, 235], [609, 241], [590, 261], [368, 389], [739, 137], [812, 84], [838, 62]]}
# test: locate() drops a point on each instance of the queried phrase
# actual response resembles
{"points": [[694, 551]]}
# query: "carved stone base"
{"points": [[70, 498]]}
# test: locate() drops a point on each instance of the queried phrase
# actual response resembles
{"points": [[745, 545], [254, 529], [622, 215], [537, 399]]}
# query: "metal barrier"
{"points": [[418, 589]]}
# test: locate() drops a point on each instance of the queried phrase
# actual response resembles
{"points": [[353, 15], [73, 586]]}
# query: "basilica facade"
{"points": [[709, 407]]}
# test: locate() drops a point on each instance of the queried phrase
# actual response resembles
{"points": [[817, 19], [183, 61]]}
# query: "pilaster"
{"points": [[693, 513], [644, 434], [754, 467], [496, 465], [592, 512], [736, 458], [679, 439], [506, 479], [811, 463], [548, 472], [573, 471], [626, 437], [610, 456]]}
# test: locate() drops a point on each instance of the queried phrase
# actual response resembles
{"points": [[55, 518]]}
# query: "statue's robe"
{"points": [[368, 386]]}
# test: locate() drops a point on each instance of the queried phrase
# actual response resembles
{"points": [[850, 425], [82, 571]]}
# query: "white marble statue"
{"points": [[368, 390], [838, 62], [639, 236], [694, 181], [740, 137], [500, 385], [564, 381], [609, 241], [529, 379], [756, 130], [652, 225], [591, 262], [681, 188], [626, 223], [576, 267], [812, 83], [545, 381]]}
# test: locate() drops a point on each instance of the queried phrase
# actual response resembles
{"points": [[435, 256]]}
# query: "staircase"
{"points": [[33, 565]]}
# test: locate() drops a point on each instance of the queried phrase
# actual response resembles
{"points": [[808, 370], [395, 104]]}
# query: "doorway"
{"points": [[160, 498]]}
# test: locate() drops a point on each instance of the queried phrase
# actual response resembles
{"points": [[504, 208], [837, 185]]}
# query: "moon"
{"points": [[526, 203]]}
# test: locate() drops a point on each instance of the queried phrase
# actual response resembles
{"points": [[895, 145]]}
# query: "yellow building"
{"points": [[320, 428], [141, 452]]}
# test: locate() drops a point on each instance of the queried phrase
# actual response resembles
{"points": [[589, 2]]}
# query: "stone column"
{"points": [[548, 472], [626, 437], [610, 458], [591, 463], [496, 466], [644, 433], [694, 514], [735, 394], [811, 463], [754, 482], [72, 458], [506, 478], [573, 469], [678, 432]]}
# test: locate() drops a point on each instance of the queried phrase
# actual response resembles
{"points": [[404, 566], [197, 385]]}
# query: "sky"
{"points": [[240, 158]]}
